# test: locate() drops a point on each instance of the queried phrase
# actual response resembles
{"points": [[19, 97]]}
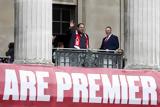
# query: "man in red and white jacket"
{"points": [[79, 39]]}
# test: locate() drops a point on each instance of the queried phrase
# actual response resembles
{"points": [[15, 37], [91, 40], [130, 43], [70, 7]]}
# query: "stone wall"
{"points": [[101, 13], [96, 14], [6, 24]]}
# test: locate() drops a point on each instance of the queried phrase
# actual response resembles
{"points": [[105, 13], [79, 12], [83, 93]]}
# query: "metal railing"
{"points": [[87, 58], [4, 59]]}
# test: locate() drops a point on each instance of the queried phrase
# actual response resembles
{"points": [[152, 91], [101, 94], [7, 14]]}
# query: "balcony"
{"points": [[91, 58], [88, 58]]}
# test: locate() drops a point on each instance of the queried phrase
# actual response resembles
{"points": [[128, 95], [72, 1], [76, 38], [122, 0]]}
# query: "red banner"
{"points": [[44, 86]]}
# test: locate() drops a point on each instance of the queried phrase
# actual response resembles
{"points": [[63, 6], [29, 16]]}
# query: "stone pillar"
{"points": [[33, 31], [143, 34]]}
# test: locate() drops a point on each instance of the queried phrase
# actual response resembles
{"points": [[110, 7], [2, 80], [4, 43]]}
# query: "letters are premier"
{"points": [[85, 87]]}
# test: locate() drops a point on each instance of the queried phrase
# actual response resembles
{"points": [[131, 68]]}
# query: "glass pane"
{"points": [[56, 14], [65, 27], [65, 15], [56, 27]]}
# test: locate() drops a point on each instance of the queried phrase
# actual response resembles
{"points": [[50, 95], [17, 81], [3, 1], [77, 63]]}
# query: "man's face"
{"points": [[81, 28], [108, 31]]}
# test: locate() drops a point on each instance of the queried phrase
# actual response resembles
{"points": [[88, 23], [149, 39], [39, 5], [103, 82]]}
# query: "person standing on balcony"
{"points": [[10, 52], [110, 41], [79, 39]]}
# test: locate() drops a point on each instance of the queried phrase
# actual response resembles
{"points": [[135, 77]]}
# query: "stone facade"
{"points": [[6, 24], [135, 22], [95, 14]]}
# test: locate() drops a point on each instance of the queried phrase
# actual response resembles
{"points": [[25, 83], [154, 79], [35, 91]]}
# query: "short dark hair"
{"points": [[80, 24], [11, 45], [109, 27]]}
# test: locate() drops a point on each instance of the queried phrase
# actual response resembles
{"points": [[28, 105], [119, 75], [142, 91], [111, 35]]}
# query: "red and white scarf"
{"points": [[77, 40]]}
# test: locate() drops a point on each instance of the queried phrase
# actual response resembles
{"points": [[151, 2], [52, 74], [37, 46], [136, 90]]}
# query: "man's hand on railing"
{"points": [[120, 51]]}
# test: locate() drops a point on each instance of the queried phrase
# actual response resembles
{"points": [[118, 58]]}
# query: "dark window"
{"points": [[62, 14], [56, 14], [56, 27]]}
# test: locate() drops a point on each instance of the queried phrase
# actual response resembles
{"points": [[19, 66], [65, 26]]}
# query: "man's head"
{"points": [[108, 30], [81, 27]]}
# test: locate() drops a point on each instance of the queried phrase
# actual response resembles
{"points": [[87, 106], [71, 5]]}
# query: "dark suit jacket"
{"points": [[111, 44]]}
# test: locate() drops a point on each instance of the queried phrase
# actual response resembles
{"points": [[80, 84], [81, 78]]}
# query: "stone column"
{"points": [[143, 34], [33, 31]]}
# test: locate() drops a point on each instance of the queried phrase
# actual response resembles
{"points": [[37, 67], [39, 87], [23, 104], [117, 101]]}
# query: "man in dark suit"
{"points": [[110, 42]]}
